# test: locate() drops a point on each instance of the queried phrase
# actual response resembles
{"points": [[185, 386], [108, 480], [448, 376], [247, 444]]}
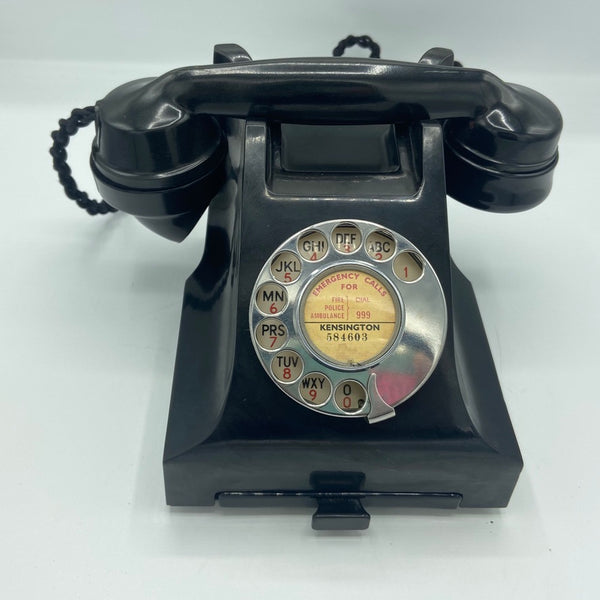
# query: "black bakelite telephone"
{"points": [[330, 352]]}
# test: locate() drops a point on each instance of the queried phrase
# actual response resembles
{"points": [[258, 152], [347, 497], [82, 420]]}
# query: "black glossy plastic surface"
{"points": [[155, 135], [275, 146], [339, 148], [233, 435], [339, 513]]}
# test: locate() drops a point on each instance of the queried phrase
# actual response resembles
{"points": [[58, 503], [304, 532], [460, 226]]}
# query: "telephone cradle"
{"points": [[330, 353]]}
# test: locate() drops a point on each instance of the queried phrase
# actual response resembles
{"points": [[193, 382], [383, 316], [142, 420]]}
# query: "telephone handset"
{"points": [[326, 275], [159, 151]]}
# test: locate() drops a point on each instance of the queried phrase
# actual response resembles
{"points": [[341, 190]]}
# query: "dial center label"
{"points": [[350, 316]]}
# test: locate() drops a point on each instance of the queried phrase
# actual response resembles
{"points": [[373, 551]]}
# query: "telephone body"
{"points": [[330, 352]]}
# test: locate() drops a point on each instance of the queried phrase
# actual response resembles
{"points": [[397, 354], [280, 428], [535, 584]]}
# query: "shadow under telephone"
{"points": [[326, 296]]}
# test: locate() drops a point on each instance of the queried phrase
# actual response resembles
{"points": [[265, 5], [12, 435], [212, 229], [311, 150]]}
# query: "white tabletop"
{"points": [[89, 313]]}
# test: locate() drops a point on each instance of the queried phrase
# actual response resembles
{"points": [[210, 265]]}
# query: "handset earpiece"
{"points": [[162, 165], [503, 159], [155, 160]]}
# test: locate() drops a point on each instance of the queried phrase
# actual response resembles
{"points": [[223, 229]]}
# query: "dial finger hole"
{"points": [[287, 366], [271, 334], [315, 388], [271, 298], [286, 267], [350, 396], [408, 266], [346, 238], [380, 245], [313, 246]]}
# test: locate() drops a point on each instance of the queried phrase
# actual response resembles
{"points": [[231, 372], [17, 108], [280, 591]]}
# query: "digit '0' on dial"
{"points": [[350, 396]]}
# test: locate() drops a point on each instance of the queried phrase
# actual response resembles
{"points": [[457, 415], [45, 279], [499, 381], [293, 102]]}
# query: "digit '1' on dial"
{"points": [[408, 267]]}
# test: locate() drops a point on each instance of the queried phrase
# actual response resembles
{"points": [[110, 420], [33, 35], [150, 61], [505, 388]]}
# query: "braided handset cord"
{"points": [[364, 41], [80, 117]]}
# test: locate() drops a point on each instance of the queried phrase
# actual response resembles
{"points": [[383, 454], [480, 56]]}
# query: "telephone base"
{"points": [[232, 433]]}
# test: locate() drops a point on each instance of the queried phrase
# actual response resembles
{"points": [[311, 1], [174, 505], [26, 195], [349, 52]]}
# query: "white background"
{"points": [[89, 312]]}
